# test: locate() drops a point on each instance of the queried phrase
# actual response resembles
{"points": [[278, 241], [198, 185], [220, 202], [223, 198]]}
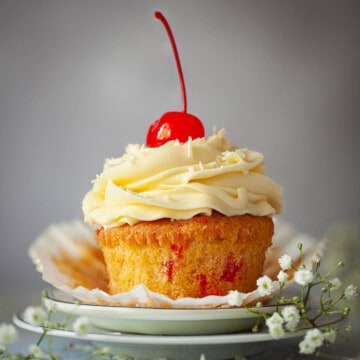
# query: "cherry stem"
{"points": [[160, 16]]}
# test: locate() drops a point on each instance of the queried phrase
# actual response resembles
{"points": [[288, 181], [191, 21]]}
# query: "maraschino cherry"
{"points": [[174, 125]]}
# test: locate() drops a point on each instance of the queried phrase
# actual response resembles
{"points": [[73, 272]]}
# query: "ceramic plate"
{"points": [[215, 347], [158, 321]]}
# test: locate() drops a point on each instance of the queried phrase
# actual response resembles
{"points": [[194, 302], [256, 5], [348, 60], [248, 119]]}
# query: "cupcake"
{"points": [[186, 215], [185, 219]]}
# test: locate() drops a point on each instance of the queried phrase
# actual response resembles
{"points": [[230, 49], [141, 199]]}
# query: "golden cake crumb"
{"points": [[205, 255]]}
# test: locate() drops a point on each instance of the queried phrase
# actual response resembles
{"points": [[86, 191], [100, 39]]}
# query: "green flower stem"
{"points": [[45, 331]]}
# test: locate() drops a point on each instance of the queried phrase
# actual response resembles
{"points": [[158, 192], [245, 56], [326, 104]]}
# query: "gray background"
{"points": [[81, 79]]}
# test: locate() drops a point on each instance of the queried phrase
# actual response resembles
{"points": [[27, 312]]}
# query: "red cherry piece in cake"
{"points": [[170, 269], [203, 283], [231, 270]]}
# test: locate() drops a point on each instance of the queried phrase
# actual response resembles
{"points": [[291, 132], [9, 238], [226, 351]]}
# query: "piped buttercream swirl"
{"points": [[179, 181]]}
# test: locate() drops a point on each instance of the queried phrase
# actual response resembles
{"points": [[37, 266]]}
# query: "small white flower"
{"points": [[82, 325], [235, 298], [285, 262], [34, 315], [276, 331], [303, 277], [282, 276], [314, 337], [8, 334], [335, 284], [35, 351], [330, 336], [265, 285], [274, 319], [291, 316], [306, 347], [274, 323], [351, 292]]}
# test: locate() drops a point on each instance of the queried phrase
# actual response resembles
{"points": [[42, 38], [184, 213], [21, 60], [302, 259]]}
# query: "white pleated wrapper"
{"points": [[67, 240]]}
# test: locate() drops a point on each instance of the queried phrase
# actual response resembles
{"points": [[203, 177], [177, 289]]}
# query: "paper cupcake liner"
{"points": [[69, 259]]}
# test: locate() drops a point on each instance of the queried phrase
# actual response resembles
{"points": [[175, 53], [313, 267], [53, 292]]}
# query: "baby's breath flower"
{"points": [[274, 319], [335, 284], [82, 325], [276, 331], [285, 262], [34, 315], [350, 292], [291, 315], [265, 285], [315, 337], [303, 277], [8, 334], [282, 276], [235, 298], [35, 351], [330, 336], [274, 323], [306, 347]]}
